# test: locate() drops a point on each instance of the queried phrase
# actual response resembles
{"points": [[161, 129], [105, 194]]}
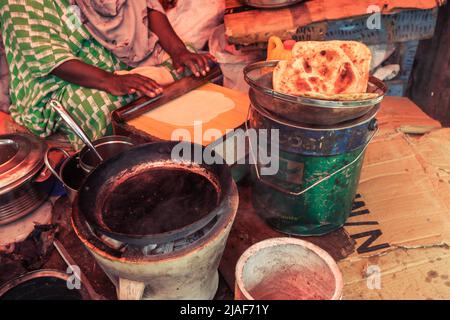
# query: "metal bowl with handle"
{"points": [[70, 174], [107, 147], [94, 152], [306, 110]]}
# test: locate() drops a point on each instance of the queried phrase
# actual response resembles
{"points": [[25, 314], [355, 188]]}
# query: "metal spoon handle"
{"points": [[74, 126]]}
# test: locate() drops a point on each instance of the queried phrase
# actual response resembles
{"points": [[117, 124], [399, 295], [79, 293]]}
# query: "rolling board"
{"points": [[206, 96], [137, 119]]}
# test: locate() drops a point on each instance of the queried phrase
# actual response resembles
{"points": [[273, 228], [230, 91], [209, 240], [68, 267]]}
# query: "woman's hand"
{"points": [[197, 63], [85, 75], [120, 85], [181, 57]]}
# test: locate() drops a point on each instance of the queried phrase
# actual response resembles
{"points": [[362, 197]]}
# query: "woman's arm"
{"points": [[85, 75], [169, 40]]}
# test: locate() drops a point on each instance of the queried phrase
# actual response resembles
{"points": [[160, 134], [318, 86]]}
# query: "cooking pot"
{"points": [[45, 284], [107, 147], [70, 173], [23, 184], [158, 264]]}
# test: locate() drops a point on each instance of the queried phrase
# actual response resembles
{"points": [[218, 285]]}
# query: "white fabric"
{"points": [[194, 20], [121, 26], [231, 63]]}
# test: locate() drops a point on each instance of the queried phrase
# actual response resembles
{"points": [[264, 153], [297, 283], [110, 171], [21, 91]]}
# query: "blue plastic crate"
{"points": [[396, 88], [405, 25]]}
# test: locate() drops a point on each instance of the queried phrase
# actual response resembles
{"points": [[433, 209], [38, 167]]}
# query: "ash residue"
{"points": [[159, 200]]}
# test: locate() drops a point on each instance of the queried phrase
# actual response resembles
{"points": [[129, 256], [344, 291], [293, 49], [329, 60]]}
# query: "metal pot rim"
{"points": [[30, 165], [344, 125], [113, 139], [51, 273]]}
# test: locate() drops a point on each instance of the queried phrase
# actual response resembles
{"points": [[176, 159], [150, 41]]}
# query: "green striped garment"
{"points": [[40, 35]]}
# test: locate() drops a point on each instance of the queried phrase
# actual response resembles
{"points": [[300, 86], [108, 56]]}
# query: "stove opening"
{"points": [[159, 200]]}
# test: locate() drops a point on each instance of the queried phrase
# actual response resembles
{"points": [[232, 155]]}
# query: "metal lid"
{"points": [[21, 158]]}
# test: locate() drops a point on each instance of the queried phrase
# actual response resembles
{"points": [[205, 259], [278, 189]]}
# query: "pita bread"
{"points": [[341, 96], [361, 57], [330, 69]]}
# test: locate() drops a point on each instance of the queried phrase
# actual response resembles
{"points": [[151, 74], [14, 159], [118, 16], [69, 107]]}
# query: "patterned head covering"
{"points": [[121, 26]]}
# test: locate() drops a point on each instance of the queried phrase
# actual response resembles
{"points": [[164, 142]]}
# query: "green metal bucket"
{"points": [[318, 172]]}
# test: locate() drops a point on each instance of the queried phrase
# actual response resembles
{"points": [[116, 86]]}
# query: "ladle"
{"points": [[74, 126]]}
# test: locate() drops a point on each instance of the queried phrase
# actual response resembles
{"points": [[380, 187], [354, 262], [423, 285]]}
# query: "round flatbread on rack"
{"points": [[361, 57], [331, 68], [341, 96]]}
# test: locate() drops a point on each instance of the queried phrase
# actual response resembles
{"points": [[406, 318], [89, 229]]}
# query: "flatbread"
{"points": [[341, 96], [196, 106], [329, 68], [361, 57]]}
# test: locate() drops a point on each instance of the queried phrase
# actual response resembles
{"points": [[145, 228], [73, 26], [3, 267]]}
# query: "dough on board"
{"points": [[196, 105]]}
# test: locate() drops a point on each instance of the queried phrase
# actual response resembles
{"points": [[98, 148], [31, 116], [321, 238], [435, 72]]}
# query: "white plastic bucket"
{"points": [[287, 269]]}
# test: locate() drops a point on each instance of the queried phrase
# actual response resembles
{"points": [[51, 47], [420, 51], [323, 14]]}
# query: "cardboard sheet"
{"points": [[420, 273], [401, 220]]}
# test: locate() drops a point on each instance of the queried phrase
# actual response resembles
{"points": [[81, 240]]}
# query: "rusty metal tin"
{"points": [[69, 174]]}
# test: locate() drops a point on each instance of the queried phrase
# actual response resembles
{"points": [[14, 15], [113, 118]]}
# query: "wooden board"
{"points": [[228, 120], [253, 26]]}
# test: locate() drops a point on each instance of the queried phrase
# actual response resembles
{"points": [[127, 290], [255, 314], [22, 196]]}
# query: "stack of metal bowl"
{"points": [[302, 110]]}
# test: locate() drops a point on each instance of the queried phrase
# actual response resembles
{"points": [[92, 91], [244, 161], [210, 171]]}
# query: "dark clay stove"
{"points": [[157, 224], [158, 210]]}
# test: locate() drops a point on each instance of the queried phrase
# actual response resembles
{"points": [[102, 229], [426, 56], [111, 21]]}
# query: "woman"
{"points": [[54, 55]]}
